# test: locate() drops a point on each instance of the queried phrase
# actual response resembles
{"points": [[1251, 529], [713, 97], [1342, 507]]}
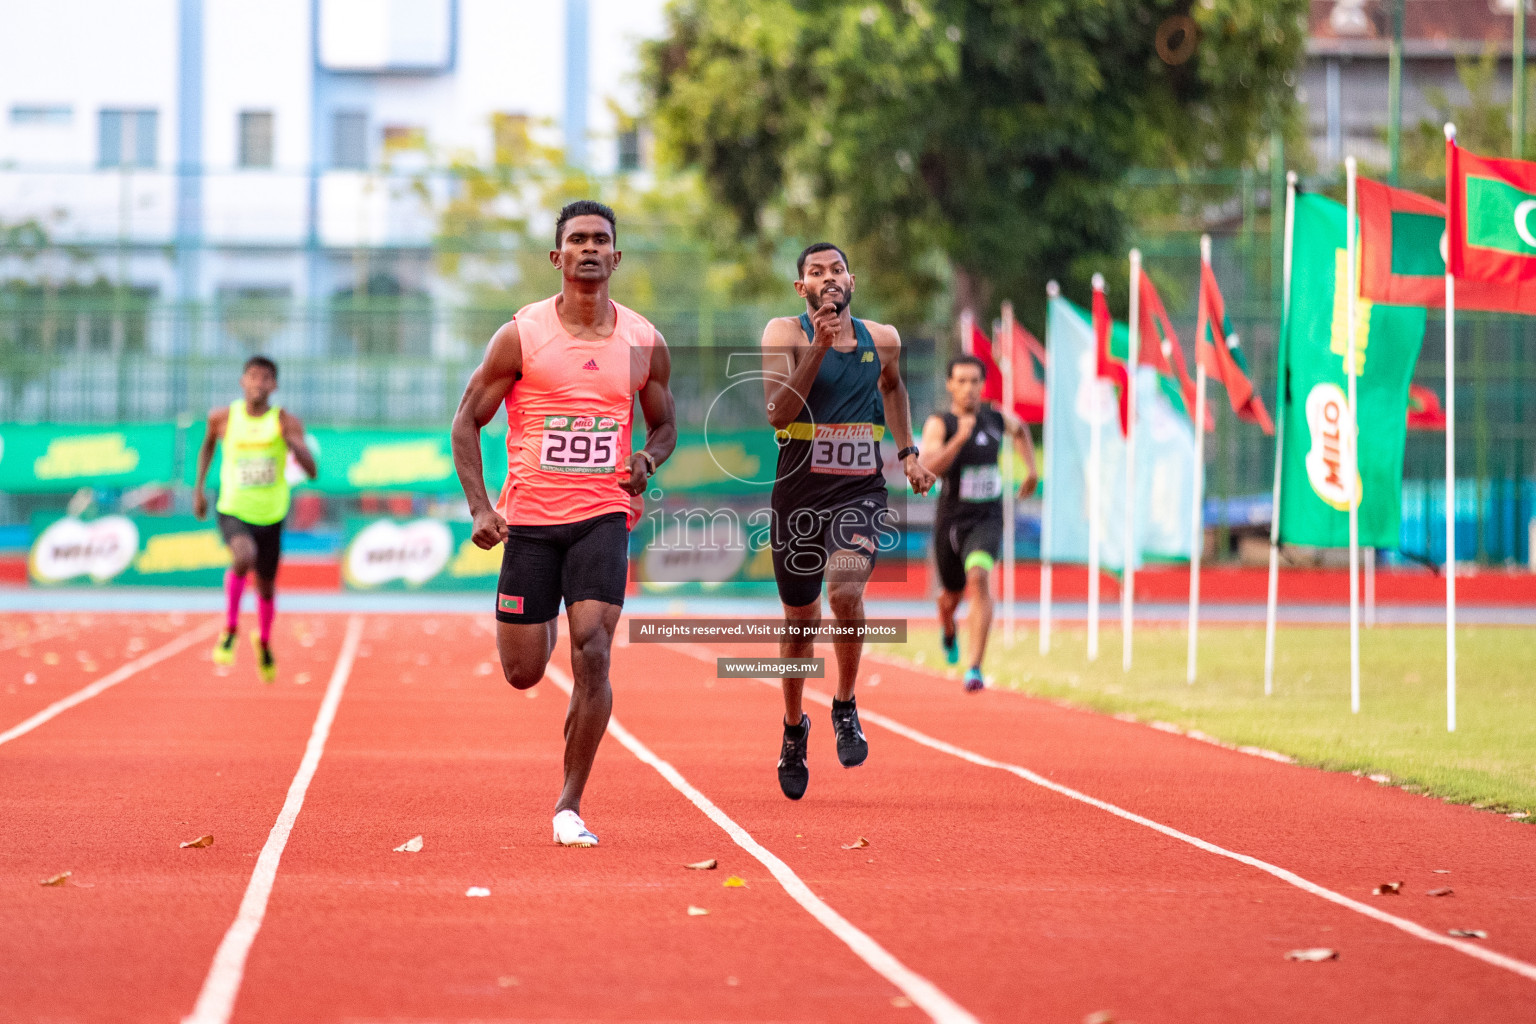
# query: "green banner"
{"points": [[742, 462], [1315, 492], [126, 551], [416, 554], [50, 457], [354, 461]]}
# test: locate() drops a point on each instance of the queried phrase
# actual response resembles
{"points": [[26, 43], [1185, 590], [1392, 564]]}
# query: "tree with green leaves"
{"points": [[968, 148]]}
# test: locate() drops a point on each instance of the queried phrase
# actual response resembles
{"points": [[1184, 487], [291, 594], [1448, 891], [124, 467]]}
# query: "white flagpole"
{"points": [[1129, 545], [967, 325], [1095, 497], [1006, 455], [1052, 291], [1274, 513], [1197, 513], [1450, 479], [1352, 464]]}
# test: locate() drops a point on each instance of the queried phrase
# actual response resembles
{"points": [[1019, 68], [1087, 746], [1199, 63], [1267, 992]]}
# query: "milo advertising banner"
{"points": [[416, 554], [126, 551], [351, 461], [40, 458]]}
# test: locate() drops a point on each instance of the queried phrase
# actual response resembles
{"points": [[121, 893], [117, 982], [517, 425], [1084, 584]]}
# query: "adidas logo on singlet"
{"points": [[590, 364]]}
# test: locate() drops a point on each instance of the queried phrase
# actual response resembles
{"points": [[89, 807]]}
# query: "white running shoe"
{"points": [[570, 830]]}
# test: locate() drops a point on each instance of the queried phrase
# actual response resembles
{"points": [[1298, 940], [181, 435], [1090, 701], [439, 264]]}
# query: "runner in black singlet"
{"points": [[833, 390], [963, 447]]}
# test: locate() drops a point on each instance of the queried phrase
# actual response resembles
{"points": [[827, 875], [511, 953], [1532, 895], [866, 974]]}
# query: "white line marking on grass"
{"points": [[923, 993], [1418, 931], [110, 680], [216, 1001]]}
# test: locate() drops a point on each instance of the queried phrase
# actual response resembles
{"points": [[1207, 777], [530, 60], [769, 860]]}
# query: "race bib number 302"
{"points": [[980, 483], [579, 444], [847, 449]]}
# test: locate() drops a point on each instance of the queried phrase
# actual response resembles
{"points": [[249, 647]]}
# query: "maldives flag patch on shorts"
{"points": [[509, 604]]}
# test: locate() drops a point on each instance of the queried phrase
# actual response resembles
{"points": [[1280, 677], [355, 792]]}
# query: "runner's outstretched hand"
{"points": [[918, 475], [1027, 487], [200, 503], [490, 529]]}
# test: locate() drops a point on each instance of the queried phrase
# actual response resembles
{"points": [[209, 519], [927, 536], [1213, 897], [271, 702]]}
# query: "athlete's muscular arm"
{"points": [[217, 420], [483, 395], [785, 396], [898, 410], [293, 434], [1026, 449], [938, 454], [660, 418]]}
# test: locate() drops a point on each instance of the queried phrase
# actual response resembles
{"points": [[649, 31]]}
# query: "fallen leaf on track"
{"points": [[56, 880], [302, 678], [734, 883], [198, 843], [1388, 889], [1442, 871], [703, 865], [1312, 956], [1468, 933], [857, 844], [506, 981], [29, 678], [477, 890], [697, 912], [1101, 1017], [1440, 892], [410, 846], [50, 658], [901, 1002]]}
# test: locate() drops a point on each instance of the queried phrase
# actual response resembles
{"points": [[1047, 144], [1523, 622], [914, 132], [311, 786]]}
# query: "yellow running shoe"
{"points": [[266, 665], [224, 649]]}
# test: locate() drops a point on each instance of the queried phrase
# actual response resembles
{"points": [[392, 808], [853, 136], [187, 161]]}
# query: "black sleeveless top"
{"points": [[830, 454], [973, 484]]}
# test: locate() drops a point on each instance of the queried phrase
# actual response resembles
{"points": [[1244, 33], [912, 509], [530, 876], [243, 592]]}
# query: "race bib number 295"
{"points": [[847, 449], [579, 444]]}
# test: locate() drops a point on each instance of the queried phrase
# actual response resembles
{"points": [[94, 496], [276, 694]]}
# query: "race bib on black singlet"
{"points": [[579, 444], [980, 483], [845, 449]]}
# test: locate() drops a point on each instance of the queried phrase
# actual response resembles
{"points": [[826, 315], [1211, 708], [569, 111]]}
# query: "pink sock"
{"points": [[234, 590], [266, 611]]}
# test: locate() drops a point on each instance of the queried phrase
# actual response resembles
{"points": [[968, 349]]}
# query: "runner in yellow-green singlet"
{"points": [[253, 500]]}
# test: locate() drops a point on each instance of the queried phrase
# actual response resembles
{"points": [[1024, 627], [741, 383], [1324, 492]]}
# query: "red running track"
{"points": [[1014, 901]]}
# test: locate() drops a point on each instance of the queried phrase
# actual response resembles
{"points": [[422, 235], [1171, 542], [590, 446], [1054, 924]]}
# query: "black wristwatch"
{"points": [[910, 449]]}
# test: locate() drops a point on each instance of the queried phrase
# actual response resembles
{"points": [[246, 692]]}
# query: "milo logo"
{"points": [[583, 423], [606, 423], [557, 422], [1333, 443]]}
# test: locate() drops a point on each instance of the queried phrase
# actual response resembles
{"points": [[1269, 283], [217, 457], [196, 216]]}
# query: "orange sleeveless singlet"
{"points": [[569, 417]]}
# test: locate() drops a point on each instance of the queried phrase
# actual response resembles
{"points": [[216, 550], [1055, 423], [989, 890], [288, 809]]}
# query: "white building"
{"points": [[202, 149]]}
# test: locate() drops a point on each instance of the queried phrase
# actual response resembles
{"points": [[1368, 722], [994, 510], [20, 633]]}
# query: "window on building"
{"points": [[42, 115], [128, 138], [629, 149], [255, 138], [349, 139]]}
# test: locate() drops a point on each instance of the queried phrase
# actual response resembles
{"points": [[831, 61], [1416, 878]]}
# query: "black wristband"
{"points": [[910, 449]]}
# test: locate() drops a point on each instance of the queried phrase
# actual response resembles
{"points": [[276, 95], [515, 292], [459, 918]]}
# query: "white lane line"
{"points": [[216, 1001], [110, 680], [923, 993], [1509, 963]]}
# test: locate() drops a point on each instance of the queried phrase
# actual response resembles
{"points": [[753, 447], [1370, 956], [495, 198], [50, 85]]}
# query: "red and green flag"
{"points": [[1218, 350], [1109, 365], [1159, 348], [1028, 373], [1491, 236], [1402, 262], [1424, 409]]}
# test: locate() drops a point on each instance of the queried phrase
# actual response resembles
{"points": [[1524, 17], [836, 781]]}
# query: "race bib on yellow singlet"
{"points": [[980, 483], [579, 444], [256, 471], [846, 449]]}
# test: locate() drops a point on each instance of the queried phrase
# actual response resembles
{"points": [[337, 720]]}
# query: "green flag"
{"points": [[1314, 491]]}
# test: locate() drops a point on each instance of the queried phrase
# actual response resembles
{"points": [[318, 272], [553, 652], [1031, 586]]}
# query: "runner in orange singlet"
{"points": [[567, 370]]}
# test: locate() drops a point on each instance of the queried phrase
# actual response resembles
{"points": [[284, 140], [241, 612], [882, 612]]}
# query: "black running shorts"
{"points": [[268, 539], [959, 545], [582, 561], [805, 539]]}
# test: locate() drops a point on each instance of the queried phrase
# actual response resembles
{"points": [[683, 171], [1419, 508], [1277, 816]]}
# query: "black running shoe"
{"points": [[852, 748], [794, 776]]}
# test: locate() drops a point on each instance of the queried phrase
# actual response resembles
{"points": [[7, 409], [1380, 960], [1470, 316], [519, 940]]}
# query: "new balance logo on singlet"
{"points": [[590, 364]]}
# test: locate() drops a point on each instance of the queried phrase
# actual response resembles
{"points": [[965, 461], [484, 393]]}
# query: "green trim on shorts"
{"points": [[979, 560]]}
